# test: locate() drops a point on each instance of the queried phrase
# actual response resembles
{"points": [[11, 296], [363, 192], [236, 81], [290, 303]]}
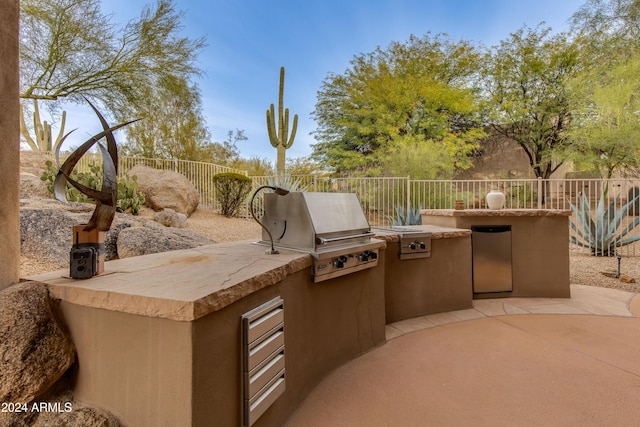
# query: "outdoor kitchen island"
{"points": [[433, 280], [538, 255], [160, 341]]}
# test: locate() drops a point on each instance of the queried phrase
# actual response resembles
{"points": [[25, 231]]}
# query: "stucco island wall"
{"points": [[539, 246], [442, 282], [159, 336]]}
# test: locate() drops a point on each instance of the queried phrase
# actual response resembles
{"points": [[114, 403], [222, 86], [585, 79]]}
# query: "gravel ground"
{"points": [[584, 268]]}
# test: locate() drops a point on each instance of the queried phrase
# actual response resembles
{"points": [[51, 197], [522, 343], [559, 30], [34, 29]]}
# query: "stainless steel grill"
{"points": [[332, 227]]}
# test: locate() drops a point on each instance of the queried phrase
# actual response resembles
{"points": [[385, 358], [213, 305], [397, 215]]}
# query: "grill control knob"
{"points": [[367, 255], [412, 246], [422, 245], [339, 262]]}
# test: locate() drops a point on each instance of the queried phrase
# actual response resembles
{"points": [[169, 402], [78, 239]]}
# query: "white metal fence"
{"points": [[200, 174], [381, 196], [594, 229]]}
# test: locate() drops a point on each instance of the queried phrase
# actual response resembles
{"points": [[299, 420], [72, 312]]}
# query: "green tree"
{"points": [[302, 166], [607, 92], [255, 166], [526, 83], [172, 122], [607, 131], [415, 95], [69, 48]]}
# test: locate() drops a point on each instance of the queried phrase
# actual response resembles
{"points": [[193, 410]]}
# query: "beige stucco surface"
{"points": [[539, 246], [441, 282], [9, 145], [416, 287], [137, 367]]}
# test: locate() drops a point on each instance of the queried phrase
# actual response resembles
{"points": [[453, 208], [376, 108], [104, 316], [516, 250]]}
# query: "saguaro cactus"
{"points": [[43, 140], [279, 137]]}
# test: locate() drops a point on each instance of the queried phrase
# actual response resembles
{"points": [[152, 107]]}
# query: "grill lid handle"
{"points": [[324, 241]]}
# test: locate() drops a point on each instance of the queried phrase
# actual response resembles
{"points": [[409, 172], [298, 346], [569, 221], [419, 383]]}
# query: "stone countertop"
{"points": [[437, 232], [496, 212], [180, 285]]}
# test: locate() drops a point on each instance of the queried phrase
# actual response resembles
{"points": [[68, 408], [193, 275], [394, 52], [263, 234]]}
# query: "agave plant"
{"points": [[412, 216], [288, 182], [599, 232]]}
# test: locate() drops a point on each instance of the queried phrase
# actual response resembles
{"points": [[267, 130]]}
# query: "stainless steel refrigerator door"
{"points": [[491, 247]]}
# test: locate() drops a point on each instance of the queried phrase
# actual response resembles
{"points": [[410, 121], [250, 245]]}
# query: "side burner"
{"points": [[412, 243]]}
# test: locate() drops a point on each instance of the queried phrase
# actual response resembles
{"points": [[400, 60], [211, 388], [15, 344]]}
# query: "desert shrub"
{"points": [[128, 199], [232, 190]]}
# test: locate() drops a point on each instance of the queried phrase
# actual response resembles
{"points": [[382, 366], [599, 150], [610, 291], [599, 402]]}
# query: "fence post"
{"points": [[540, 195], [408, 194]]}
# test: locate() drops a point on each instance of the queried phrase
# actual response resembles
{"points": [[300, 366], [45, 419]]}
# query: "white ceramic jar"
{"points": [[495, 199]]}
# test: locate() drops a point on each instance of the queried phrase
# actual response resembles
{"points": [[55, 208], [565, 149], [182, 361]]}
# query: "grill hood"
{"points": [[313, 222]]}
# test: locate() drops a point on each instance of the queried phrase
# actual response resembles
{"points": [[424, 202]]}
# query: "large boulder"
{"points": [[45, 231], [136, 241], [166, 189], [34, 350]]}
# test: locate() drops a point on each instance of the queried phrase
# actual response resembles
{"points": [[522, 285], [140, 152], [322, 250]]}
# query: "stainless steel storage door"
{"points": [[491, 251]]}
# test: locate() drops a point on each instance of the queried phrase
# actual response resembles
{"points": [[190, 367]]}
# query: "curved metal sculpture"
{"points": [[106, 197]]}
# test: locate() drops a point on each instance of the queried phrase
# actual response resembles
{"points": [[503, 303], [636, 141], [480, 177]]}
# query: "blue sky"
{"points": [[249, 40]]}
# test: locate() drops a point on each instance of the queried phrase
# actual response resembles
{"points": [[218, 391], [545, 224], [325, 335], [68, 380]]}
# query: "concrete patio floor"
{"points": [[506, 362]]}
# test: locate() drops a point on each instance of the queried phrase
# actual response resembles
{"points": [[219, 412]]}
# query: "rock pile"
{"points": [[46, 224]]}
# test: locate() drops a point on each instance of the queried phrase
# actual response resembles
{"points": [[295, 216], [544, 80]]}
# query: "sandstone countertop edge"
{"points": [[188, 284], [437, 232], [496, 212]]}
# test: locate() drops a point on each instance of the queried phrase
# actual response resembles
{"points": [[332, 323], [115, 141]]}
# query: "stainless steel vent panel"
{"points": [[263, 359]]}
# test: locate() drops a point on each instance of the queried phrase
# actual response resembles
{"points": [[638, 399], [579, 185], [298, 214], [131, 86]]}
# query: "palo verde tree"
{"points": [[407, 109], [279, 136], [608, 90], [607, 131], [171, 125], [70, 49], [606, 24], [526, 82]]}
